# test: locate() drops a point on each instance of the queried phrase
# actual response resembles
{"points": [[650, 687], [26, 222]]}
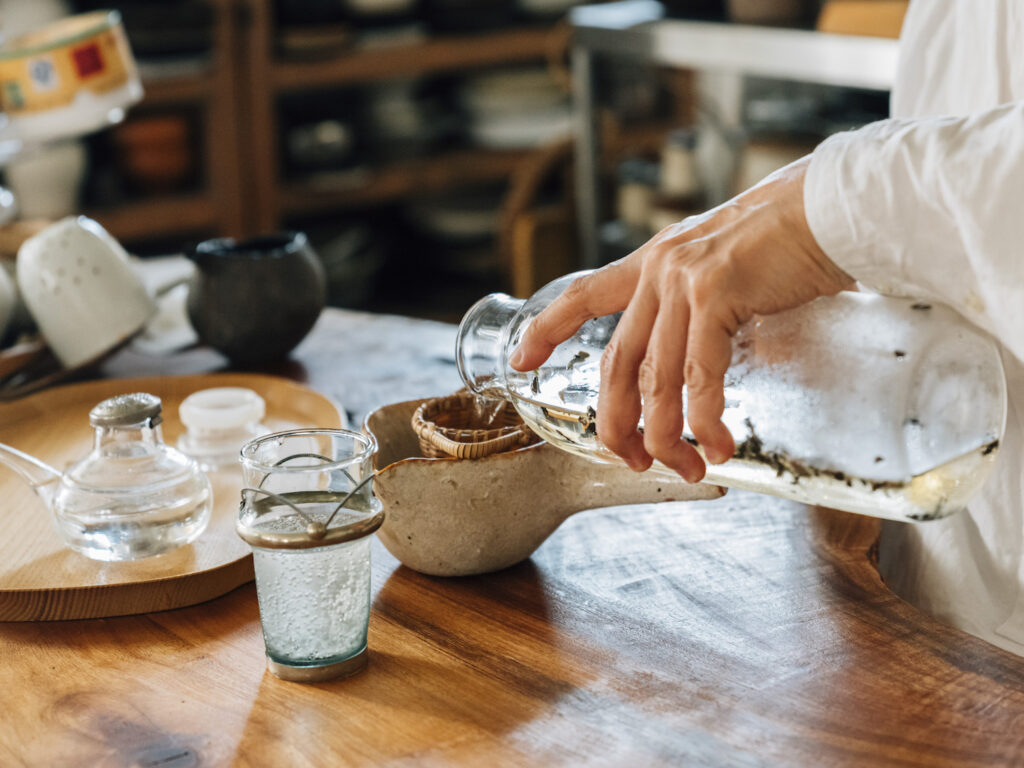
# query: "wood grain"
{"points": [[746, 631], [737, 632], [14, 234], [42, 579], [362, 186], [158, 217], [431, 56]]}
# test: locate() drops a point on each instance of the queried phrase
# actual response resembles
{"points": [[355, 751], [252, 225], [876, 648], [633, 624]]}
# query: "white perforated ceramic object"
{"points": [[79, 285]]}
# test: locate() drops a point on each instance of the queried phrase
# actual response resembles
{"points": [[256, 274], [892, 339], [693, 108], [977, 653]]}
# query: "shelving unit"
{"points": [[361, 187], [163, 216], [637, 29], [237, 98], [219, 207], [273, 200], [177, 90], [444, 54]]}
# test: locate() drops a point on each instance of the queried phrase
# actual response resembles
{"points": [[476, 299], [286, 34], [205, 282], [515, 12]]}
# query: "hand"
{"points": [[684, 294]]}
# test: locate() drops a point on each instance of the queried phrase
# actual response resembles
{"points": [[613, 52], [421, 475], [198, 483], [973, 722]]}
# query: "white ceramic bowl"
{"points": [[522, 131], [511, 92], [79, 285]]}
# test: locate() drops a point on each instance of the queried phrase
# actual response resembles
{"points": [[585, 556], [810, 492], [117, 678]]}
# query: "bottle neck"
{"points": [[118, 442], [481, 347]]}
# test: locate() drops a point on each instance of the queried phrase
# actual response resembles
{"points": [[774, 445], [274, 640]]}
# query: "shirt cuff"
{"points": [[837, 203]]}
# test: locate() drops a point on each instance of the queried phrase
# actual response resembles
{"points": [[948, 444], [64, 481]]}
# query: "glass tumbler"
{"points": [[308, 512]]}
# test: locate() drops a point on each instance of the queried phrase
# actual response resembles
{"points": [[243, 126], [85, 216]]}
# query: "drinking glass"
{"points": [[308, 512]]}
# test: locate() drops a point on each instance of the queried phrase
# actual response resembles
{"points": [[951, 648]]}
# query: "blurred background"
{"points": [[429, 148]]}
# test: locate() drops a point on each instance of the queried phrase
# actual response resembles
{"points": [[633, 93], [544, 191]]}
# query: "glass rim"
{"points": [[461, 363], [368, 442]]}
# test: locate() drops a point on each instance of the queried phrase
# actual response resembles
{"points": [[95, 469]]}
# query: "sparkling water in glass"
{"points": [[314, 603], [308, 511]]}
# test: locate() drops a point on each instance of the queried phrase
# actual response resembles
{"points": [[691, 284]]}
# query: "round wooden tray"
{"points": [[41, 579]]}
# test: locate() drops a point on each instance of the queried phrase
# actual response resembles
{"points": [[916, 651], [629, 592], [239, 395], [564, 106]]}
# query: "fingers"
{"points": [[708, 354], [661, 385], [604, 292], [618, 406]]}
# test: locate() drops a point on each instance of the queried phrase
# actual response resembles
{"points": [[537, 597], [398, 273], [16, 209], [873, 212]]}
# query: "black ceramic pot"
{"points": [[255, 300]]}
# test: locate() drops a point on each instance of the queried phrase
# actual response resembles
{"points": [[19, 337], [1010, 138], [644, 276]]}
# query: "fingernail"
{"points": [[639, 463], [720, 447], [694, 476], [517, 358], [716, 456]]}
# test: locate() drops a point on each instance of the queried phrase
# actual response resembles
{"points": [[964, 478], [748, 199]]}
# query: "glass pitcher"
{"points": [[883, 406], [133, 496]]}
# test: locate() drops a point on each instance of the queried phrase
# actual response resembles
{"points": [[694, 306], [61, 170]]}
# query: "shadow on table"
{"points": [[452, 661]]}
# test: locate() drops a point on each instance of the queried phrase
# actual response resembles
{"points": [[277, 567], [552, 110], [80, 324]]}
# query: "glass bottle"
{"points": [[133, 496], [679, 189], [883, 406]]}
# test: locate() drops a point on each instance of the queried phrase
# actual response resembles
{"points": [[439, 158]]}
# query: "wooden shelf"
{"points": [[618, 140], [175, 90], [159, 217], [375, 186], [435, 55], [238, 95]]}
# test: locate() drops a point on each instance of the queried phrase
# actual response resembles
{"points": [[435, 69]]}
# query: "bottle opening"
{"points": [[480, 345]]}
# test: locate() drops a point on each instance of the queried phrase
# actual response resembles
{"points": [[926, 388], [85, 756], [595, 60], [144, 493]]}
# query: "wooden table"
{"points": [[744, 631]]}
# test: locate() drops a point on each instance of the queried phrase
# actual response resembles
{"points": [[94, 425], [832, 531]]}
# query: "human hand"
{"points": [[683, 295]]}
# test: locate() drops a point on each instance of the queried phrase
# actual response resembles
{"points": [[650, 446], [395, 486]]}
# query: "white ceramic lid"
{"points": [[221, 408]]}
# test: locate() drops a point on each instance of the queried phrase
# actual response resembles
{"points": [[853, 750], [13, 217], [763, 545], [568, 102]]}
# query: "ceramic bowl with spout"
{"points": [[451, 517]]}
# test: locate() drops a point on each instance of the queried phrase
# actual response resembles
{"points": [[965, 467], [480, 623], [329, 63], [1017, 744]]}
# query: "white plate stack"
{"points": [[515, 109]]}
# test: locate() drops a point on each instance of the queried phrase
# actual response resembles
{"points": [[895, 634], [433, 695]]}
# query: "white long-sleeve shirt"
{"points": [[930, 203]]}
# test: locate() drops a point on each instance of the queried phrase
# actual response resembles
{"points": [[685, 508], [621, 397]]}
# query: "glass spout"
{"points": [[39, 475], [481, 349]]}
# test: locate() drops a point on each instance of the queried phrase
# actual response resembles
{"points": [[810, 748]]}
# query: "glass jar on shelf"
{"points": [[680, 192]]}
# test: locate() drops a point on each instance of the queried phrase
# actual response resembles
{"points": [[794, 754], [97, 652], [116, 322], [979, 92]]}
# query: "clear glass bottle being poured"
{"points": [[883, 406]]}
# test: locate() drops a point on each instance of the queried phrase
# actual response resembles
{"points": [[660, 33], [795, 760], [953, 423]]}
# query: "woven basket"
{"points": [[452, 426]]}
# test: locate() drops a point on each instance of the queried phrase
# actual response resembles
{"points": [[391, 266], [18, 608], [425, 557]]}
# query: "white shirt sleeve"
{"points": [[930, 208]]}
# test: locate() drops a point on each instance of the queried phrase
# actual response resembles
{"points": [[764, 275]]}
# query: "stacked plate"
{"points": [[515, 108], [406, 118]]}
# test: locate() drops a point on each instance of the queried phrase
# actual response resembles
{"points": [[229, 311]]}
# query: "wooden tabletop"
{"points": [[743, 631]]}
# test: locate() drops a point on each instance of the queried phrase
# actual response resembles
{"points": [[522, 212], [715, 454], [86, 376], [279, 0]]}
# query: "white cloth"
{"points": [[930, 203]]}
